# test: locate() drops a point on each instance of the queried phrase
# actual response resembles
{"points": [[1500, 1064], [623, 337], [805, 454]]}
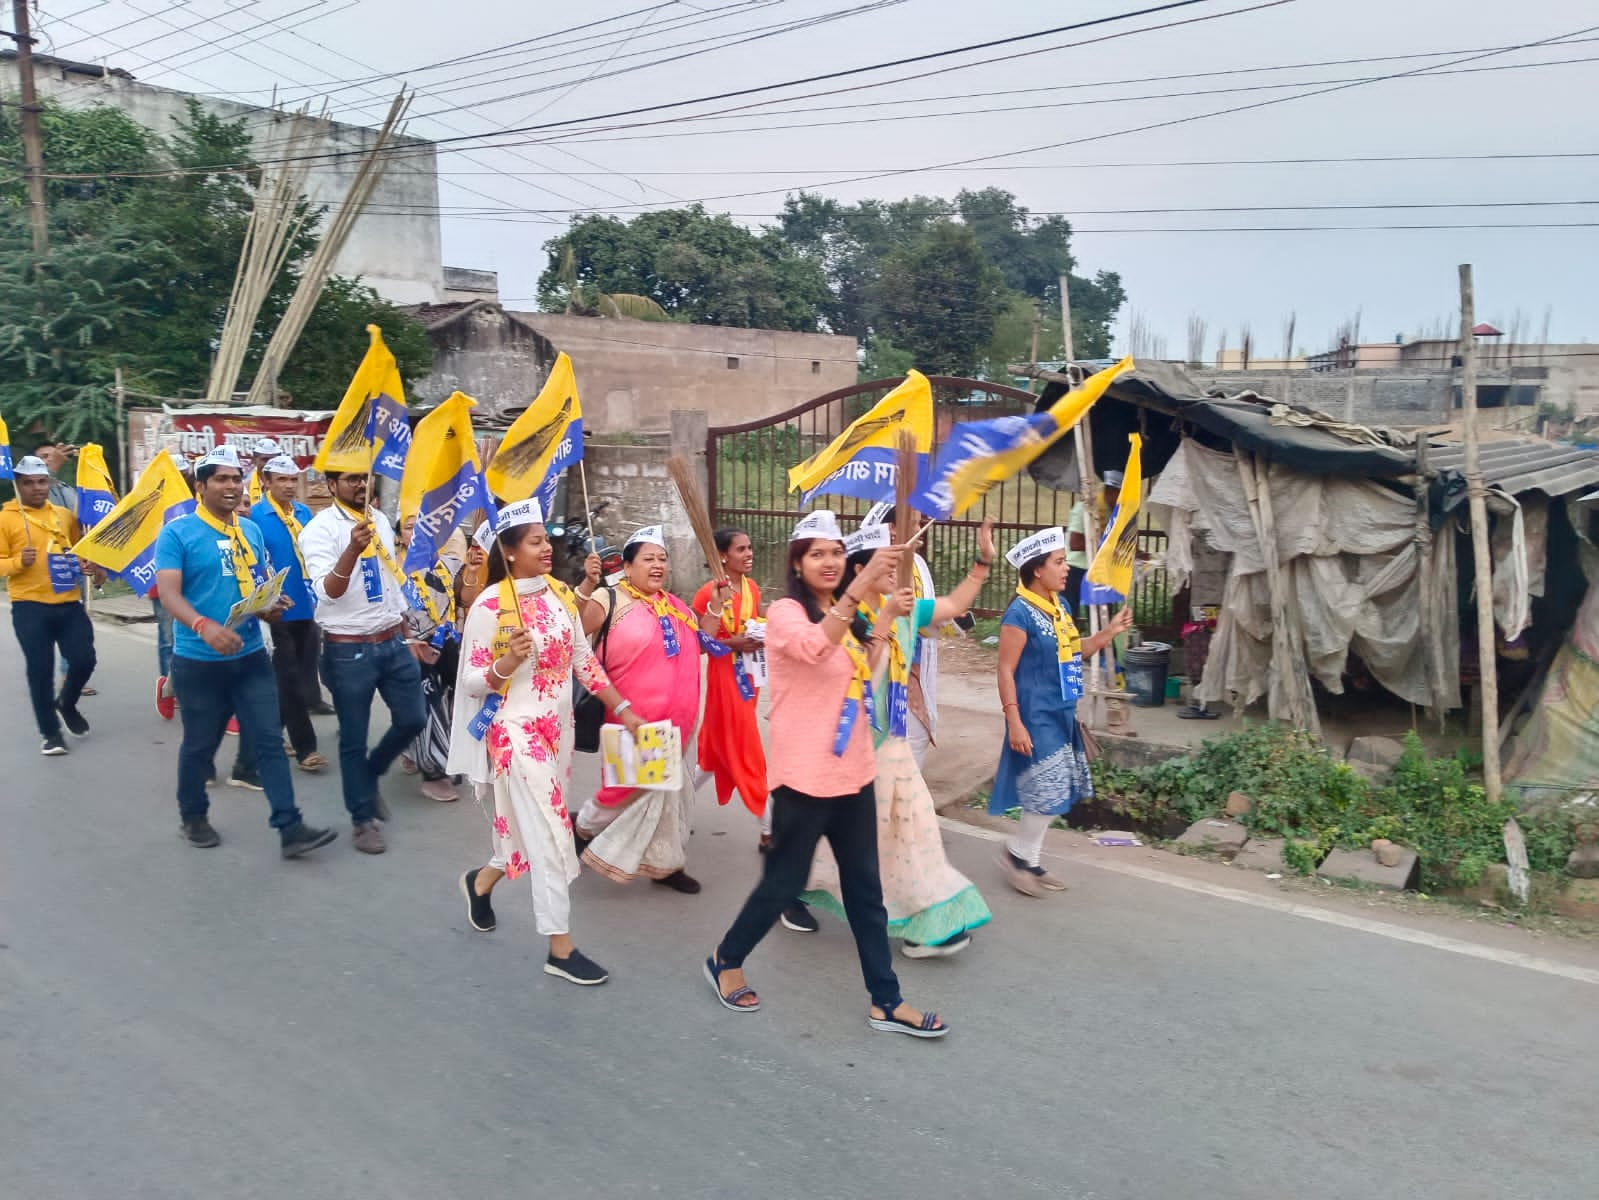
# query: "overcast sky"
{"points": [[498, 202]]}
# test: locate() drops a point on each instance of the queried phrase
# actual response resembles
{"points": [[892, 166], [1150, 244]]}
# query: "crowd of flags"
{"points": [[975, 458], [444, 485]]}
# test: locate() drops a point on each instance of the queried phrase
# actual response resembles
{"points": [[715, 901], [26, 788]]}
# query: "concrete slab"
{"points": [[1379, 751], [1222, 837], [1261, 854], [1361, 866]]}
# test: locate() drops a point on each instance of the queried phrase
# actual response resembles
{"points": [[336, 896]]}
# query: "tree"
{"points": [[697, 267], [938, 296], [853, 242], [143, 251]]}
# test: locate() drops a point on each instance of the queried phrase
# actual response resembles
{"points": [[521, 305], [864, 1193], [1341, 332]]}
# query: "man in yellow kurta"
{"points": [[43, 577]]}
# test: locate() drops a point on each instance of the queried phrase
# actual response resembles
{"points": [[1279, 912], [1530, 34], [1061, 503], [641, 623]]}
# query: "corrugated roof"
{"points": [[1518, 465]]}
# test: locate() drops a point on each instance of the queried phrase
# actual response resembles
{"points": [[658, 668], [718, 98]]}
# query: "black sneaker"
{"points": [[576, 969], [53, 747], [478, 909], [800, 919], [301, 838], [198, 832], [681, 881], [73, 720], [248, 779]]}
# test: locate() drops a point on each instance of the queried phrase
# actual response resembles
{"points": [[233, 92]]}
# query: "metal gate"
{"points": [[747, 467]]}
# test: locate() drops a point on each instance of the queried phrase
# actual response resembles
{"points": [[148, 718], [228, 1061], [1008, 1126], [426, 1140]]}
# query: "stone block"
{"points": [[1226, 838], [1238, 804], [1579, 900], [1386, 853], [1381, 752], [1261, 854], [1361, 866], [1583, 862]]}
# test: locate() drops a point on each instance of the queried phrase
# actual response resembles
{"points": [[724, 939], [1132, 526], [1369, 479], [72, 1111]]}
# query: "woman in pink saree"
{"points": [[649, 643]]}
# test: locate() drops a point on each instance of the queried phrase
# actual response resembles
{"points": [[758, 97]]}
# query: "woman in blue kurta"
{"points": [[1043, 768]]}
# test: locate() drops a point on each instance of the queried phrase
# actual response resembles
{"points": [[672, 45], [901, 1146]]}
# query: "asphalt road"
{"points": [[221, 1023]]}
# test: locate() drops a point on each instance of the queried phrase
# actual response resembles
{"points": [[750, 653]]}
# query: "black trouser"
{"points": [[849, 823], [42, 629], [294, 662], [1074, 588]]}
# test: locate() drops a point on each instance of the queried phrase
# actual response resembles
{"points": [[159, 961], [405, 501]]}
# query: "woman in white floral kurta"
{"points": [[519, 747]]}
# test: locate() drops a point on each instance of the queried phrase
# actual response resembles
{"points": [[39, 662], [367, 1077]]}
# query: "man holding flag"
{"points": [[47, 611], [349, 556], [206, 563]]}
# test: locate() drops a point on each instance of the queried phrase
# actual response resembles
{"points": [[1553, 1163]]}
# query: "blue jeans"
{"points": [[163, 637], [354, 672], [42, 630], [208, 693]]}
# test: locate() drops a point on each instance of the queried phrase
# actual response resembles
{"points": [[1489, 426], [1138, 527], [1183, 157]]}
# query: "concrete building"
{"points": [[632, 374], [1417, 382], [394, 247]]}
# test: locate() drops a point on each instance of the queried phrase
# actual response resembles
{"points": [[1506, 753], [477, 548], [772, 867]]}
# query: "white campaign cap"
{"points": [[868, 537], [881, 513], [281, 465], [222, 456], [265, 445], [653, 534], [523, 512], [1045, 541], [1113, 479], [31, 464], [182, 461], [823, 523], [483, 535]]}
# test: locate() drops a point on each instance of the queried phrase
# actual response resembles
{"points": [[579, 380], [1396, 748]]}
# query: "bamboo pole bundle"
{"points": [[315, 276], [699, 515], [268, 238]]}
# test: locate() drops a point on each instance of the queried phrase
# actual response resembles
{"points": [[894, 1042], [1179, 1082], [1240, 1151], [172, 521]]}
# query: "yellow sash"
{"points": [[511, 616], [57, 538], [244, 560], [732, 622], [375, 548], [660, 603], [1068, 644], [292, 524]]}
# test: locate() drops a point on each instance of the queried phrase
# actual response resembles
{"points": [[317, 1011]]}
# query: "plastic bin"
{"points": [[1144, 667]]}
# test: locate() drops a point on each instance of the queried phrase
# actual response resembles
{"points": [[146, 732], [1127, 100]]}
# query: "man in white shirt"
{"points": [[353, 566]]}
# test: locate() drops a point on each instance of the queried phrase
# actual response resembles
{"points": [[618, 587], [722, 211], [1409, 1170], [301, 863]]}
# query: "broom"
{"points": [[904, 515], [699, 516]]}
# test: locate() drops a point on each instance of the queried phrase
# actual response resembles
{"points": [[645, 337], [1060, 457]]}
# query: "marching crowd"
{"points": [[475, 660]]}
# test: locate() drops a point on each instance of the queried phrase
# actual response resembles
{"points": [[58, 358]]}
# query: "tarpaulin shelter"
{"points": [[1340, 537]]}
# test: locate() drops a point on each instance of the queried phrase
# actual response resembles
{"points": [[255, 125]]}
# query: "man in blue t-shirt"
{"points": [[205, 564], [294, 635]]}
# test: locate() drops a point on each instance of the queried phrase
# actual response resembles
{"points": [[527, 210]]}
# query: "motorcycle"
{"points": [[577, 538]]}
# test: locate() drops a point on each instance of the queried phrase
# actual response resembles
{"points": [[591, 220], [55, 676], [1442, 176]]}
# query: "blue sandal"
{"points": [[929, 1026], [713, 973]]}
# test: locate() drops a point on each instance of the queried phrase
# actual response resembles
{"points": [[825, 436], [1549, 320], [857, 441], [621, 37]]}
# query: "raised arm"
{"points": [[947, 608]]}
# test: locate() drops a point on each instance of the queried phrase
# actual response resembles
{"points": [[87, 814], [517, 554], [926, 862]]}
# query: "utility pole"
{"points": [[32, 146], [1038, 320], [1088, 486], [1476, 496]]}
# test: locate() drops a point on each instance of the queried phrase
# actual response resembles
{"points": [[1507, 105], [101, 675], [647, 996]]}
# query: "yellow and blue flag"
{"points": [[541, 443], [5, 451], [982, 454], [860, 462], [443, 484], [369, 432], [124, 540], [97, 495], [1110, 574]]}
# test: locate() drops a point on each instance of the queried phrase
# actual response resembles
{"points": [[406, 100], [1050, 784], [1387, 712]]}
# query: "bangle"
{"points": [[622, 708], [494, 672], [716, 612], [835, 614], [195, 625], [1011, 705], [344, 575], [983, 563]]}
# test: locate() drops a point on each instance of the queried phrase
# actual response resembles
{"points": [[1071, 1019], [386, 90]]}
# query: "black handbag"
{"points": [[588, 710]]}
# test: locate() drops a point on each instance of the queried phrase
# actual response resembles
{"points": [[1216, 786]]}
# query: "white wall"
{"points": [[394, 247]]}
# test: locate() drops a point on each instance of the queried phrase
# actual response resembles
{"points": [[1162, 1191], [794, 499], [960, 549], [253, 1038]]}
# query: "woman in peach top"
{"points": [[820, 658]]}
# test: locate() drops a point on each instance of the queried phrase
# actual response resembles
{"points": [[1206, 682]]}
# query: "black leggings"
{"points": [[849, 823]]}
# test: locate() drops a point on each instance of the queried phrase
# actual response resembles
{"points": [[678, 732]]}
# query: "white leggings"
{"points": [[1027, 843]]}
